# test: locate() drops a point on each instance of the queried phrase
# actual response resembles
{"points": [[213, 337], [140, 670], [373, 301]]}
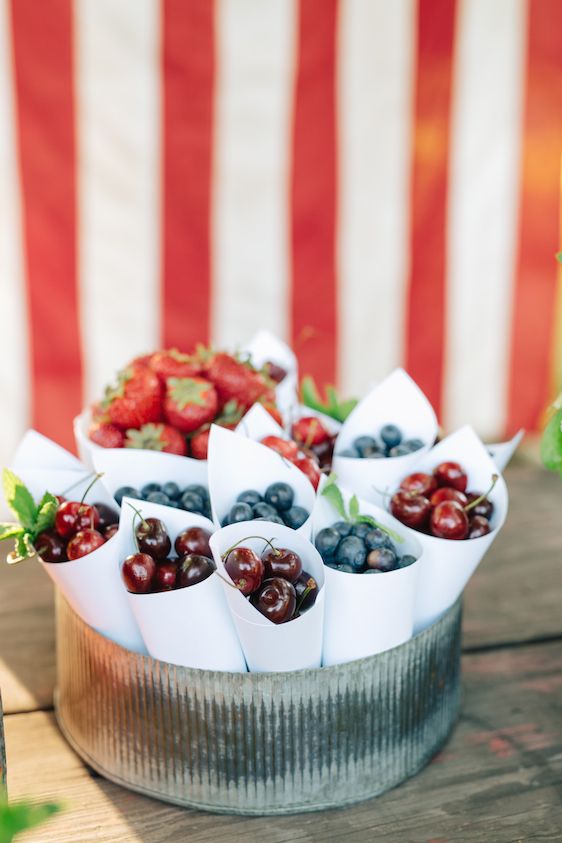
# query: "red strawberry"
{"points": [[310, 468], [190, 403], [99, 413], [136, 399], [106, 435], [237, 381], [274, 412], [174, 364], [309, 431], [285, 447], [199, 444], [143, 360], [157, 437]]}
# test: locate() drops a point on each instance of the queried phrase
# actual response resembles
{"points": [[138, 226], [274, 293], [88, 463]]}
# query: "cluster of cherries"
{"points": [[274, 582], [277, 504], [79, 529], [439, 504], [391, 443], [311, 449], [152, 569]]}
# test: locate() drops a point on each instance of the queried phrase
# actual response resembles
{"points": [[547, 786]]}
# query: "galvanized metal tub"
{"points": [[261, 743]]}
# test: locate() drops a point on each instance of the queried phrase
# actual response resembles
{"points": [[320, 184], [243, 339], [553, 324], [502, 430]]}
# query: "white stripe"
{"points": [[376, 50], [14, 370], [119, 125], [485, 152], [255, 76]]}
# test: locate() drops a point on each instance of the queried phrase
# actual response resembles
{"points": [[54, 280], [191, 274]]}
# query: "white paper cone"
{"points": [[257, 424], [189, 626], [502, 452], [294, 645], [237, 463], [446, 566], [367, 614], [132, 467], [396, 400], [36, 451], [266, 347]]}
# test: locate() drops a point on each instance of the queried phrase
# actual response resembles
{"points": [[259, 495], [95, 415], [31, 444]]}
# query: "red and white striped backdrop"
{"points": [[376, 181]]}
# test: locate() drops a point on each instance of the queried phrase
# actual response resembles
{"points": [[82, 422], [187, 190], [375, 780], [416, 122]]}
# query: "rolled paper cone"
{"points": [[84, 445], [37, 451], [446, 565], [502, 452], [132, 467], [189, 626], [367, 613], [257, 423], [236, 463], [265, 347], [293, 645], [396, 400], [72, 484]]}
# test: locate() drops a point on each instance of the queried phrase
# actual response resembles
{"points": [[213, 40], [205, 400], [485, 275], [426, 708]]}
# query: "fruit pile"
{"points": [[359, 549], [276, 504], [168, 400], [439, 505], [152, 569], [289, 450], [192, 498], [275, 582], [391, 443], [78, 529]]}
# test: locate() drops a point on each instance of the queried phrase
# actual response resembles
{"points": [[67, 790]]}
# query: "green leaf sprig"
{"points": [[551, 441], [333, 407], [32, 518], [333, 493], [16, 817]]}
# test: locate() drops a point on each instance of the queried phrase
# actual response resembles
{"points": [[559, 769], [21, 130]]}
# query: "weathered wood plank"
{"points": [[499, 779]]}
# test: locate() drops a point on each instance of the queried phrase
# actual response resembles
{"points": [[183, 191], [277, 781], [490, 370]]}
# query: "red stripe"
{"points": [[43, 71], [535, 283], [313, 200], [425, 319], [188, 68]]}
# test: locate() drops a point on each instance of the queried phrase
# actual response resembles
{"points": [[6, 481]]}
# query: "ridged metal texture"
{"points": [[3, 772], [257, 743]]}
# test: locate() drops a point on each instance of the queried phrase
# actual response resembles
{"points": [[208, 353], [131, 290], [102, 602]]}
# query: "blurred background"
{"points": [[376, 181]]}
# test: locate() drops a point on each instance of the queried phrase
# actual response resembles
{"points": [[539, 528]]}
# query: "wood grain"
{"points": [[499, 779]]}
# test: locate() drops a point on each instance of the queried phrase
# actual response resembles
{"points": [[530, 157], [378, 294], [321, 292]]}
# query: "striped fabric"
{"points": [[377, 182]]}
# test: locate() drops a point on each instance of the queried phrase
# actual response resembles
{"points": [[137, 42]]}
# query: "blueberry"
{"points": [[406, 560], [413, 444], [127, 492], [150, 487], [172, 490], [376, 455], [279, 495], [360, 530], [158, 497], [192, 501], [295, 517], [343, 527], [345, 569], [250, 496], [327, 542], [240, 512], [349, 452], [376, 538], [382, 559], [225, 521], [373, 571], [366, 445], [263, 510], [351, 551], [399, 451], [391, 435], [274, 518]]}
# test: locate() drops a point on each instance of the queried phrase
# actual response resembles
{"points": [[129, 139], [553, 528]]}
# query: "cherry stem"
{"points": [[312, 430], [384, 493], [304, 595], [95, 480], [245, 539], [76, 483], [472, 504]]}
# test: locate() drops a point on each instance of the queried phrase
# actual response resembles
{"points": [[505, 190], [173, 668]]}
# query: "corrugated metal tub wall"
{"points": [[268, 743]]}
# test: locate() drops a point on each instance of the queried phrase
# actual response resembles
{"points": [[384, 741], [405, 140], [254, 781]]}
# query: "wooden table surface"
{"points": [[498, 780]]}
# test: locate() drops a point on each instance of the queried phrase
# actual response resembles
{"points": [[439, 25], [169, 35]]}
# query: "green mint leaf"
{"points": [[354, 508], [23, 549], [346, 408], [559, 257], [368, 519], [335, 497], [309, 394], [20, 816], [10, 531], [551, 443], [19, 499], [47, 509]]}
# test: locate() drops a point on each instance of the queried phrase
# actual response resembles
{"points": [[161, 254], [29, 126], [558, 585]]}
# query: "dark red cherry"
{"points": [[451, 474], [138, 572], [485, 507], [50, 547], [83, 543], [107, 515], [165, 576], [449, 521], [73, 516], [281, 562], [479, 526], [193, 540], [411, 509], [152, 538], [447, 493], [276, 600], [419, 482], [274, 371], [245, 569], [110, 531], [306, 589], [192, 569]]}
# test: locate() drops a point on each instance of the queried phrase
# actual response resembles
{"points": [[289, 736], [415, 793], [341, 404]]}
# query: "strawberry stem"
{"points": [[484, 495]]}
